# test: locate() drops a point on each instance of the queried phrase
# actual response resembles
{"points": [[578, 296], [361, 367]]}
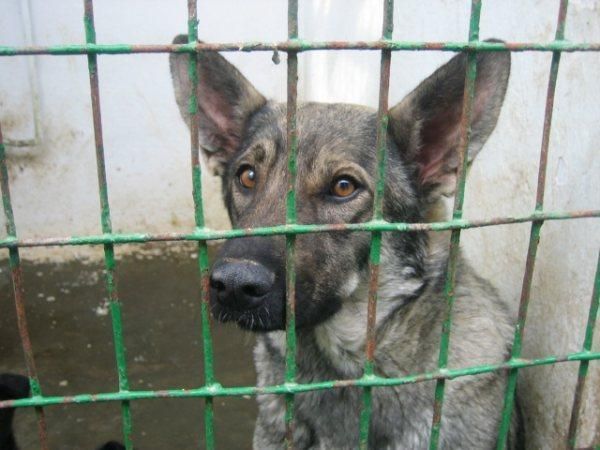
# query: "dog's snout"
{"points": [[241, 284]]}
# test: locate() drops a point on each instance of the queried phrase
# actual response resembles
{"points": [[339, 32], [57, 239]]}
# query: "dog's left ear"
{"points": [[226, 99], [426, 124]]}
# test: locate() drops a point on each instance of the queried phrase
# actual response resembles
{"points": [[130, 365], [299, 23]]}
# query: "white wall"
{"points": [[54, 183]]}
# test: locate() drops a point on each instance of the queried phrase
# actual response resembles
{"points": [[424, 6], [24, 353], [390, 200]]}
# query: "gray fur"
{"points": [[332, 268]]}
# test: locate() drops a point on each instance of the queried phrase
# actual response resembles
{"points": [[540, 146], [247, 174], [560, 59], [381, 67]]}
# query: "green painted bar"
{"points": [[469, 95], [203, 262], [584, 365], [299, 45], [376, 237], [208, 234], [375, 381], [367, 407], [109, 256], [290, 219], [534, 235], [16, 275]]}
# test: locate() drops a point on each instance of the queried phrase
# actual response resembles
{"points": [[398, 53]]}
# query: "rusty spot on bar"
{"points": [[372, 381], [339, 227], [371, 311], [534, 234], [109, 256], [207, 234], [19, 296], [375, 250]]}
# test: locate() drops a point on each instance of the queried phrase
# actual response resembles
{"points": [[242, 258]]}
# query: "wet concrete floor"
{"points": [[71, 334]]}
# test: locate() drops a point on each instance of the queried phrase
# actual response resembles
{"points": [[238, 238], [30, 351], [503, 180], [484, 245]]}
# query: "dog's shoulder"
{"points": [[481, 325]]}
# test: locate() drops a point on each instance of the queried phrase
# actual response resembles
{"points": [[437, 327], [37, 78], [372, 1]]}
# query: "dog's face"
{"points": [[243, 138]]}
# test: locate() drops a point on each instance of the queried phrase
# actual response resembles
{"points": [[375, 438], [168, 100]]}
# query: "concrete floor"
{"points": [[71, 334]]}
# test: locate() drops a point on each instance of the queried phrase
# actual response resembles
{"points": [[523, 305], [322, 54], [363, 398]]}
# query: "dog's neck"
{"points": [[341, 339]]}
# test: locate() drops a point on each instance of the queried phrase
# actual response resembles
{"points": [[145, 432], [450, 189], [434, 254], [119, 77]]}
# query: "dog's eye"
{"points": [[343, 187], [247, 176]]}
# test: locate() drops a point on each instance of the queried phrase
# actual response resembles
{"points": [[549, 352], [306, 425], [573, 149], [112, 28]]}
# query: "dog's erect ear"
{"points": [[426, 124], [225, 101]]}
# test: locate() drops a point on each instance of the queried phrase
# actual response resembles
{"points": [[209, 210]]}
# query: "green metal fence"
{"points": [[201, 234]]}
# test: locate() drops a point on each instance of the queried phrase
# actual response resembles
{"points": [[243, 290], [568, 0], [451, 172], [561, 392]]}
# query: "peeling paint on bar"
{"points": [[375, 251], [109, 251], [207, 234], [583, 366], [290, 219], [216, 390], [534, 236], [298, 45], [16, 274], [203, 263], [465, 134]]}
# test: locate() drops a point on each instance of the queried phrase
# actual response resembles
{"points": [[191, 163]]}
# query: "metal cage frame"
{"points": [[201, 234]]}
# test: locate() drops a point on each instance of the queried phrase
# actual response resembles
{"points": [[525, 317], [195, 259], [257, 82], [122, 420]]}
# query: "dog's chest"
{"points": [[333, 415]]}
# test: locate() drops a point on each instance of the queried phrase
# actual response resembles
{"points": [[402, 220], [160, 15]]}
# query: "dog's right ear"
{"points": [[226, 99], [426, 123]]}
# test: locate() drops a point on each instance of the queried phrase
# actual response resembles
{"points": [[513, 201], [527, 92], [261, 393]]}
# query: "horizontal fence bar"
{"points": [[299, 45], [216, 390], [207, 234]]}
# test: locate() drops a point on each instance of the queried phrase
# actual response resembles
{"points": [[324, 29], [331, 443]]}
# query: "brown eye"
{"points": [[343, 187], [247, 176]]}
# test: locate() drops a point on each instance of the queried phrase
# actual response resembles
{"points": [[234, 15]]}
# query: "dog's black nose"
{"points": [[240, 284]]}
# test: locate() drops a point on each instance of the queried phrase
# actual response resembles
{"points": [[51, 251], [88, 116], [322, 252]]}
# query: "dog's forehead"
{"points": [[336, 130], [324, 130]]}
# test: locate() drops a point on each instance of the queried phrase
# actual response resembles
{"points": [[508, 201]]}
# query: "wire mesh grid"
{"points": [[211, 388]]}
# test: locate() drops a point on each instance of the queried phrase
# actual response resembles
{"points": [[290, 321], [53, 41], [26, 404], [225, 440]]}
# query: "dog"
{"points": [[243, 139], [15, 386], [12, 387]]}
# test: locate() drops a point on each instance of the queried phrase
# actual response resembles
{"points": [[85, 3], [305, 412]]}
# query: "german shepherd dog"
{"points": [[243, 139]]}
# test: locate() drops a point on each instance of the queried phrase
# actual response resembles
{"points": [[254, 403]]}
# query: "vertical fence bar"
{"points": [[534, 237], [290, 240], [203, 264], [16, 273], [583, 365], [375, 251], [465, 135], [109, 252]]}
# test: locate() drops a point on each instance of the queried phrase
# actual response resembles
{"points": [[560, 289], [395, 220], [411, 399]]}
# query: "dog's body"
{"points": [[243, 138], [407, 342]]}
